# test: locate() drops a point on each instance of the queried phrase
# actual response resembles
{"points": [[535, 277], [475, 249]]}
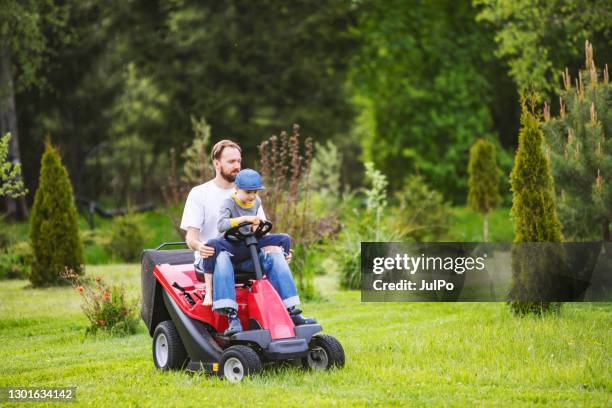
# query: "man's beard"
{"points": [[229, 177]]}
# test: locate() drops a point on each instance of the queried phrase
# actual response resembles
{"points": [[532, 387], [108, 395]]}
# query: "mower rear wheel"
{"points": [[324, 352], [239, 361], [168, 350]]}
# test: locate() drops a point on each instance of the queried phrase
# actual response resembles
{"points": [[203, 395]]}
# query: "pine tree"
{"points": [[54, 229], [483, 181], [581, 153], [534, 267]]}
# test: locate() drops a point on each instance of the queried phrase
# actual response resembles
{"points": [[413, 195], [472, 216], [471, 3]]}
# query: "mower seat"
{"points": [[240, 275]]}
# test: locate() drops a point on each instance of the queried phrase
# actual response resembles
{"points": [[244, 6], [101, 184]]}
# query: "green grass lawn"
{"points": [[398, 354]]}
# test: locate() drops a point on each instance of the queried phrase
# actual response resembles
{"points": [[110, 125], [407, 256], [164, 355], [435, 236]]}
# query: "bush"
{"points": [[126, 239], [5, 235], [16, 261], [348, 251], [285, 167], [358, 227], [369, 224], [54, 228], [105, 306], [423, 214]]}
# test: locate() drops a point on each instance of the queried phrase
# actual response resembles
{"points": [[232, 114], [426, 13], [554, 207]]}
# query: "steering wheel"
{"points": [[234, 234]]}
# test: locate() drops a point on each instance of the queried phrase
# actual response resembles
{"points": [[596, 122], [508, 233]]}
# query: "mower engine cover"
{"points": [[153, 310]]}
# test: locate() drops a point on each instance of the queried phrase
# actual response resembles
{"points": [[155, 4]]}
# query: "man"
{"points": [[200, 221]]}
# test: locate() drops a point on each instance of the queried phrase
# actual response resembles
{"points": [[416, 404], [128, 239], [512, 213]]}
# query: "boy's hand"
{"points": [[251, 218]]}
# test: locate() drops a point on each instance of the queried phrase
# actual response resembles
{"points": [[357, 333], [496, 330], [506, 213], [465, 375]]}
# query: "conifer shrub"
{"points": [[54, 228], [423, 214], [535, 269], [483, 182]]}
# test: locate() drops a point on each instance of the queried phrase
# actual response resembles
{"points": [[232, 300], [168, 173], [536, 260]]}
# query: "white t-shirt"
{"points": [[202, 210]]}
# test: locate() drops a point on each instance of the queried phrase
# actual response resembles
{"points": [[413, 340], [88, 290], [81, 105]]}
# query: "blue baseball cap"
{"points": [[249, 179]]}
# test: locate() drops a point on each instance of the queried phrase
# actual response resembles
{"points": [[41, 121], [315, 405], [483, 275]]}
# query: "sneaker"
{"points": [[234, 326], [298, 319]]}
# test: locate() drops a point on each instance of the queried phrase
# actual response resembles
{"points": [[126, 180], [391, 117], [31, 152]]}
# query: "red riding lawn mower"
{"points": [[188, 335]]}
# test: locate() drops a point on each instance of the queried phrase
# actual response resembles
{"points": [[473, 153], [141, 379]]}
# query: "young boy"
{"points": [[241, 207]]}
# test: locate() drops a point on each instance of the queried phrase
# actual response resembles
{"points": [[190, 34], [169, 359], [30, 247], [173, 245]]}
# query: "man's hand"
{"points": [[193, 241], [277, 249], [205, 250]]}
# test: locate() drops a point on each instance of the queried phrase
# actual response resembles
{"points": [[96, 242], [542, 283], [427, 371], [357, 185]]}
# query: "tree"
{"points": [[197, 168], [24, 50], [81, 72], [424, 82], [248, 68], [535, 220], [483, 181], [376, 196], [540, 37], [11, 184], [581, 153], [54, 228], [325, 172]]}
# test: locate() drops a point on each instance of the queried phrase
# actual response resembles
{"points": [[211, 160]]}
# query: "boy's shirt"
{"points": [[231, 208], [202, 210]]}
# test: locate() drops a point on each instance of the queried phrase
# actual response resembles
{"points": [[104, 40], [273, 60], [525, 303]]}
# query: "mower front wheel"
{"points": [[239, 361], [324, 352], [168, 350]]}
